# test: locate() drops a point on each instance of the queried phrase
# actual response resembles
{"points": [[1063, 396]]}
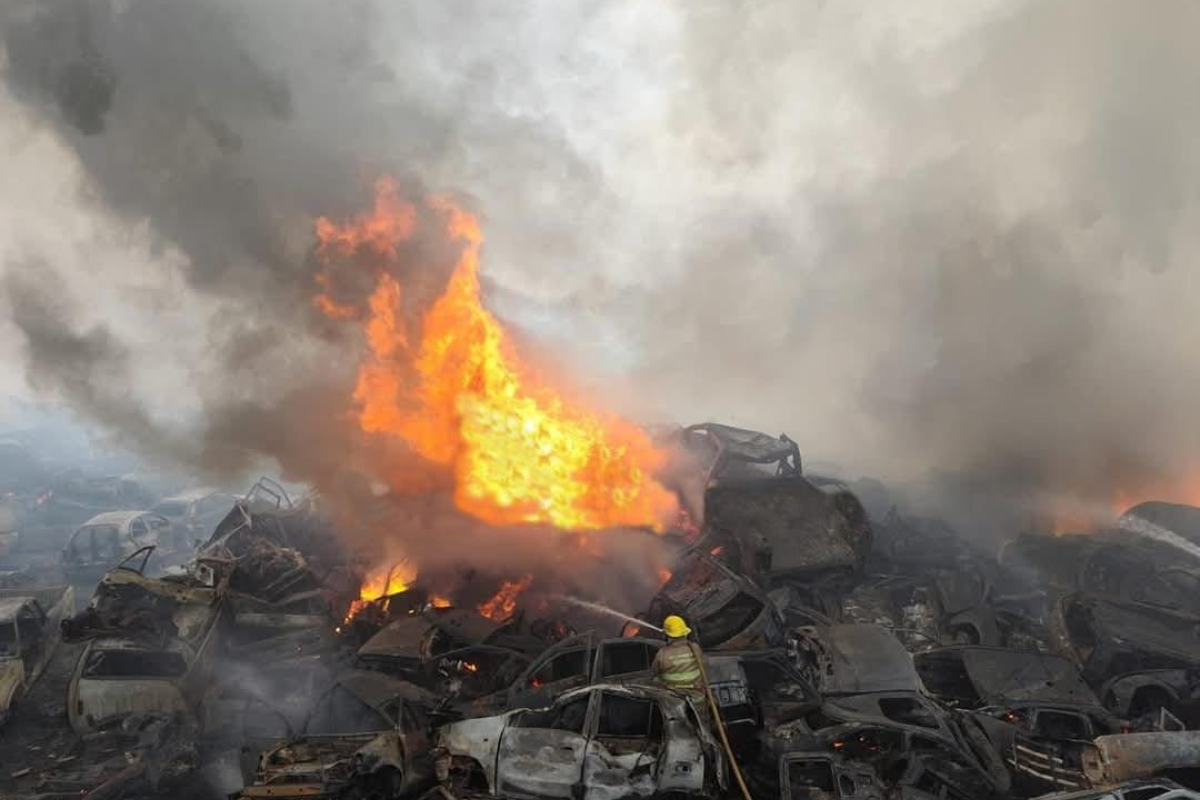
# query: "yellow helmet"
{"points": [[675, 628]]}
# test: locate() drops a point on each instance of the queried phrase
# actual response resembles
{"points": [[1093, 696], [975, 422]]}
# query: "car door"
{"points": [[625, 748], [562, 668], [541, 752], [621, 659], [162, 532], [414, 729], [139, 534]]}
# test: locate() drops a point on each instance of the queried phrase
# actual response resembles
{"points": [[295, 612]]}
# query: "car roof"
{"points": [[868, 658], [112, 518], [10, 606], [1002, 675], [188, 495]]}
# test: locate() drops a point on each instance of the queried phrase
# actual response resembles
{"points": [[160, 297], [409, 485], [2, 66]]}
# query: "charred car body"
{"points": [[600, 743], [875, 711], [29, 633], [107, 539], [774, 522], [368, 734]]}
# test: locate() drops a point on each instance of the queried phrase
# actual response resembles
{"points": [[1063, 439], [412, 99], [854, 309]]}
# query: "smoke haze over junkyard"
{"points": [[952, 237]]}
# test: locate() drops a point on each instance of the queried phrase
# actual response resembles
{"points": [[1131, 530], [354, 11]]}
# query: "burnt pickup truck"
{"points": [[29, 632], [1036, 709]]}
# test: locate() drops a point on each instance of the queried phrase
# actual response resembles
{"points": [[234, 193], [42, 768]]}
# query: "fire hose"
{"points": [[720, 723]]}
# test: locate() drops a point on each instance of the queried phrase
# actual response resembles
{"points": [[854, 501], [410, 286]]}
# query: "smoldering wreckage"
{"points": [[848, 657]]}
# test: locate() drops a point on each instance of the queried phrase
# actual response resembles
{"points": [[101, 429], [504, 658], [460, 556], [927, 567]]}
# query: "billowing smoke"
{"points": [[924, 236]]}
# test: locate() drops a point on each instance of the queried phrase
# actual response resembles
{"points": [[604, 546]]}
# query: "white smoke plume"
{"points": [[954, 236]]}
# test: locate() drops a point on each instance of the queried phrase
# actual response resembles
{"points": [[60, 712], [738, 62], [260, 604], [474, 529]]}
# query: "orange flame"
{"points": [[519, 452], [380, 582], [502, 605], [437, 601], [1080, 515], [663, 574]]}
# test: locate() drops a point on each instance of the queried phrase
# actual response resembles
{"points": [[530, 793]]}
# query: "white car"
{"points": [[615, 741], [107, 539], [29, 631]]}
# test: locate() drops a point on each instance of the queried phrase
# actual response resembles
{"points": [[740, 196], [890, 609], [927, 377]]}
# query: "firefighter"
{"points": [[677, 665]]}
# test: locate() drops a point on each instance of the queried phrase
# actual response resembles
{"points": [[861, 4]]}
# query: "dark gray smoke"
{"points": [[951, 236]]}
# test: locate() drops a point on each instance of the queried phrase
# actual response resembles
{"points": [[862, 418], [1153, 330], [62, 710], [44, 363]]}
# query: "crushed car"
{"points": [[875, 711], [727, 610], [1044, 693], [1106, 638], [1035, 708], [367, 735], [775, 522], [451, 649]]}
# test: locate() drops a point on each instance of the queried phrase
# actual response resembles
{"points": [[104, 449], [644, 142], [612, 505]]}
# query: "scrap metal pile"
{"points": [[850, 658]]}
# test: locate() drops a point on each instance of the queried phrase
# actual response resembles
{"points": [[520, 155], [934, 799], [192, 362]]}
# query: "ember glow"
{"points": [[1076, 515], [504, 603], [461, 396]]}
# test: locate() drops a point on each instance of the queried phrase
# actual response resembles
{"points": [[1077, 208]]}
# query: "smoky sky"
{"points": [[930, 237]]}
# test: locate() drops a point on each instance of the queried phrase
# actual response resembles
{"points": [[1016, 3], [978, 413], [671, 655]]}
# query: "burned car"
{"points": [[107, 539], [726, 610], [1035, 708], [875, 711], [599, 743], [29, 633], [752, 687], [438, 646], [1106, 638], [1041, 694], [775, 522], [1139, 696], [826, 776], [367, 735], [150, 647], [195, 513]]}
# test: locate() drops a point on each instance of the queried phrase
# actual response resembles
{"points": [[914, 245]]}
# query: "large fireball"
{"points": [[458, 393]]}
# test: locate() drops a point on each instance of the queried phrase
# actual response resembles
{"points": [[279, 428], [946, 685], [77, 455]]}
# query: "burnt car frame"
{"points": [[753, 687], [875, 710], [437, 646], [105, 540], [775, 522], [29, 633], [597, 743], [726, 610], [368, 733], [1106, 638], [1036, 709]]}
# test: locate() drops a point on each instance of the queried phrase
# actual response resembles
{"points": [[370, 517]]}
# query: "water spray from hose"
{"points": [[577, 601]]}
